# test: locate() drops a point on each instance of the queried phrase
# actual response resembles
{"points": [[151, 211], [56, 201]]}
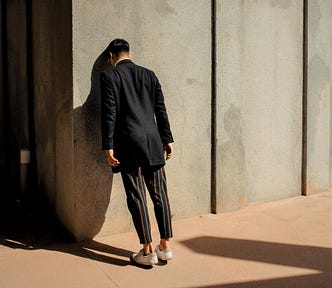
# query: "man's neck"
{"points": [[121, 58]]}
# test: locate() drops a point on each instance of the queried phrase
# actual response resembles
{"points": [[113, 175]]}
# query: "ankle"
{"points": [[147, 249], [164, 244]]}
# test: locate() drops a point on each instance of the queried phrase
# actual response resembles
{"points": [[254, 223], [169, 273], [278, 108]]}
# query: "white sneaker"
{"points": [[146, 260], [165, 254]]}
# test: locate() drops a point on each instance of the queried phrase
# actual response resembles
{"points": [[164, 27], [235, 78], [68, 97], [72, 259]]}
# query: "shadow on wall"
{"points": [[232, 159], [93, 175]]}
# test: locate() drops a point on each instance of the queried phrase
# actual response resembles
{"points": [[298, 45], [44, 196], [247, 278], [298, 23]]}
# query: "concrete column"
{"points": [[259, 101], [53, 107], [319, 117]]}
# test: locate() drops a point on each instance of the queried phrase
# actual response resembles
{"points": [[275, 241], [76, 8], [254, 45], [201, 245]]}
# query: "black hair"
{"points": [[117, 46]]}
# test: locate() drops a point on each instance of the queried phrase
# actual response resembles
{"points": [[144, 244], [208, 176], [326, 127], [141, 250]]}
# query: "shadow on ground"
{"points": [[310, 257], [30, 227]]}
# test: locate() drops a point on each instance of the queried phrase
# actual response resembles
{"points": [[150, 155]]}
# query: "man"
{"points": [[137, 139]]}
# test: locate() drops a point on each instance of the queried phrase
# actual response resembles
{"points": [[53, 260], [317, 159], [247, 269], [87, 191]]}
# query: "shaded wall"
{"points": [[319, 132], [53, 102], [14, 132], [259, 101], [2, 100]]}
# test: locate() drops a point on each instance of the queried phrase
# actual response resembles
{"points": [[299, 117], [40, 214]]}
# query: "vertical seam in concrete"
{"points": [[213, 109], [304, 98]]}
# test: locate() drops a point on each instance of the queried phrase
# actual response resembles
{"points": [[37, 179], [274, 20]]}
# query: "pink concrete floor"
{"points": [[280, 244]]}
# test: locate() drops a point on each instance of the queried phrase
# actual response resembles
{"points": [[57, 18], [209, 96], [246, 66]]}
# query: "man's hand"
{"points": [[110, 158], [168, 150]]}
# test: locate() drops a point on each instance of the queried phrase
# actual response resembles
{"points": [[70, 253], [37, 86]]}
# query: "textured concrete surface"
{"points": [[53, 106], [285, 243], [319, 96], [259, 101]]}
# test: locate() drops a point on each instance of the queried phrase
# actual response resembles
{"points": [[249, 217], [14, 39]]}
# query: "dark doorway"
{"points": [[23, 216], [16, 131]]}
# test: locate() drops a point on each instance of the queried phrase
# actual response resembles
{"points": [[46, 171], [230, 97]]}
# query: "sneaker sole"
{"points": [[165, 259], [132, 259]]}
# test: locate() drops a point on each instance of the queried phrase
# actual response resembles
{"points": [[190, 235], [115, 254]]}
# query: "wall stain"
{"points": [[318, 81], [232, 162], [190, 81], [163, 8], [283, 4]]}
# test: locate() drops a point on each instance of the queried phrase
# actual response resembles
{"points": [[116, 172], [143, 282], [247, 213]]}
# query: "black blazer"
{"points": [[134, 119]]}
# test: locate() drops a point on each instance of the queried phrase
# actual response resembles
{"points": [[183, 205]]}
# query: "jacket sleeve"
{"points": [[108, 111], [161, 114]]}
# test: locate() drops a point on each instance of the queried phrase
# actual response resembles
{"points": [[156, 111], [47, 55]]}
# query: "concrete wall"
{"points": [[259, 101], [319, 133], [173, 39], [53, 112]]}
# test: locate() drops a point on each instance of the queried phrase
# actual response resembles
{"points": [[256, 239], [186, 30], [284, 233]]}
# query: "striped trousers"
{"points": [[134, 182]]}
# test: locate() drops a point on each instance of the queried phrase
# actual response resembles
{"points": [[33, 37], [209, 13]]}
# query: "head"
{"points": [[117, 49]]}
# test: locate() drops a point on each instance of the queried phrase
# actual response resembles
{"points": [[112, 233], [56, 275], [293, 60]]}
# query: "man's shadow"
{"points": [[93, 175], [34, 227], [91, 249]]}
